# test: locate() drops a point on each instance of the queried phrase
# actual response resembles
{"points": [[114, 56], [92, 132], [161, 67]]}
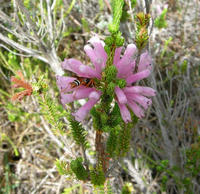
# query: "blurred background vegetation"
{"points": [[165, 146]]}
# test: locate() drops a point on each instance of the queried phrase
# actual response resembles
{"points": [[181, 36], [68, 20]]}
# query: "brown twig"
{"points": [[102, 157]]}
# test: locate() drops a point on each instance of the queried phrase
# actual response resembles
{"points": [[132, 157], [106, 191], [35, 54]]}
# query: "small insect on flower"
{"points": [[82, 81]]}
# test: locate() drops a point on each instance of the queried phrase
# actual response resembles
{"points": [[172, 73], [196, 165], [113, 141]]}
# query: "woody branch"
{"points": [[39, 36]]}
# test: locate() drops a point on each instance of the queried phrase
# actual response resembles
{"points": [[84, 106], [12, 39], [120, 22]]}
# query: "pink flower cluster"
{"points": [[134, 97]]}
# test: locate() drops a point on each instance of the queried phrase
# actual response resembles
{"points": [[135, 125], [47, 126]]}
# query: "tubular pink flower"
{"points": [[79, 69], [63, 83], [138, 76], [117, 55], [84, 110], [145, 91], [136, 109], [126, 64], [145, 62], [133, 97], [99, 49], [124, 112], [98, 62], [120, 95], [98, 56], [143, 101], [66, 98], [82, 93]]}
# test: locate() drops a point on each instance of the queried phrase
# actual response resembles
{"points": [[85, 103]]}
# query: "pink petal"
{"points": [[145, 91], [138, 76], [95, 95], [84, 110], [120, 95], [63, 83], [81, 93], [127, 63], [79, 69], [124, 112], [98, 62], [117, 55], [145, 62], [136, 109], [143, 101], [66, 98], [99, 49], [89, 72], [126, 71]]}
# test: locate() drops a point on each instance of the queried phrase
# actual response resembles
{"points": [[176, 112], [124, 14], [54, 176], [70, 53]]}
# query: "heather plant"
{"points": [[160, 21], [119, 119], [114, 100]]}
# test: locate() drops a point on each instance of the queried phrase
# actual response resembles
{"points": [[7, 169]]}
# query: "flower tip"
{"points": [[94, 95], [127, 120], [132, 46], [87, 47], [154, 92], [77, 118], [94, 39]]}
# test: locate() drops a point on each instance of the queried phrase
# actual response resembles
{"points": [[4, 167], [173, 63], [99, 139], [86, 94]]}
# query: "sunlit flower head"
{"points": [[98, 57], [130, 97]]}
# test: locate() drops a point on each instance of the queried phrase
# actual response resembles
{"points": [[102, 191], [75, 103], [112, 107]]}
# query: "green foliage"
{"points": [[78, 169], [162, 166], [123, 142], [125, 14], [126, 189], [133, 3], [110, 73], [141, 36], [121, 83], [96, 117], [166, 46], [15, 113], [117, 6], [97, 176], [101, 5], [9, 61], [4, 137], [9, 181], [72, 188], [104, 118], [85, 25], [52, 111], [160, 21], [62, 167], [70, 8], [111, 143], [78, 132], [111, 89], [184, 66], [193, 159], [115, 116]]}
